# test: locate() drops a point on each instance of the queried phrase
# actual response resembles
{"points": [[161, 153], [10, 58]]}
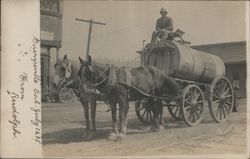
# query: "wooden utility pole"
{"points": [[143, 43], [91, 22]]}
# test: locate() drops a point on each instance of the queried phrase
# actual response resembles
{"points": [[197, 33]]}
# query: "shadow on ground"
{"points": [[75, 135]]}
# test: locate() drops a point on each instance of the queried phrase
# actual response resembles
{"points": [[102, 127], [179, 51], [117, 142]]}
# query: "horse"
{"points": [[121, 85], [66, 76]]}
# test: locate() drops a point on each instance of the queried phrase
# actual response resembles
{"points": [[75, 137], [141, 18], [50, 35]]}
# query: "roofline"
{"points": [[220, 44], [235, 62]]}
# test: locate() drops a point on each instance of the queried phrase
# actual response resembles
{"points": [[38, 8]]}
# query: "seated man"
{"points": [[164, 26]]}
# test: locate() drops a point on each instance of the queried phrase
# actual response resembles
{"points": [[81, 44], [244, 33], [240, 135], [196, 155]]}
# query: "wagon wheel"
{"points": [[174, 111], [67, 95], [144, 112], [221, 99], [192, 105]]}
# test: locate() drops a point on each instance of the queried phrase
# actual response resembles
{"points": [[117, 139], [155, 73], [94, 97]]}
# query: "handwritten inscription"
{"points": [[36, 109], [23, 79], [15, 122], [17, 98], [37, 123], [34, 59]]}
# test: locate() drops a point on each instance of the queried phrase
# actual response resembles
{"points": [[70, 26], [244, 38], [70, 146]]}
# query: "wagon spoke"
{"points": [[228, 96], [190, 115], [196, 113], [193, 120], [147, 116], [186, 113], [216, 101], [216, 96], [144, 113], [220, 112], [200, 102], [189, 96], [224, 87], [194, 93], [226, 91], [223, 111], [227, 109], [176, 110], [150, 115], [187, 107], [188, 102], [217, 110], [198, 108], [228, 103], [216, 90], [197, 96]]}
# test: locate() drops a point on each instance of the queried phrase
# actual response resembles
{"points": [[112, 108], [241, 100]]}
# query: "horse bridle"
{"points": [[66, 66], [95, 83]]}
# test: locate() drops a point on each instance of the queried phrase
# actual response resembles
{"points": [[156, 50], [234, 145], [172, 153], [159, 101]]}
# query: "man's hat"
{"points": [[163, 10]]}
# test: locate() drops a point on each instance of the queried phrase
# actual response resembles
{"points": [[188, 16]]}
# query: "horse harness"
{"points": [[112, 79]]}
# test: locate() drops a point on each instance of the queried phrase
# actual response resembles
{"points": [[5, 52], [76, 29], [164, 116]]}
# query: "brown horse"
{"points": [[66, 76], [121, 85]]}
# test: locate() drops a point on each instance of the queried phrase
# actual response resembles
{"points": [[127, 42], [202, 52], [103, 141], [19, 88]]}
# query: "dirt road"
{"points": [[63, 127]]}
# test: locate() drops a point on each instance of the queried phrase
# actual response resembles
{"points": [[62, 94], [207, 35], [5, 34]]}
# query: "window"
{"points": [[49, 5]]}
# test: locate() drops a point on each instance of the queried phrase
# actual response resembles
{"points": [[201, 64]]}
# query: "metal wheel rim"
{"points": [[67, 95], [192, 107], [221, 100], [143, 114]]}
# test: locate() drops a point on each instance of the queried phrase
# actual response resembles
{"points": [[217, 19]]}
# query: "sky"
{"points": [[131, 22]]}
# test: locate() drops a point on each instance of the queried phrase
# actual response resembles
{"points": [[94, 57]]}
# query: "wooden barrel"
{"points": [[181, 61]]}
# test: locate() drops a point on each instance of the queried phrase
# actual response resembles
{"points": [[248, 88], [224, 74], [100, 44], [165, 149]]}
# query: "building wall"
{"points": [[237, 74], [234, 52], [51, 30], [51, 37], [234, 56]]}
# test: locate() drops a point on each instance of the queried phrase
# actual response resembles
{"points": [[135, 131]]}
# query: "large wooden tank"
{"points": [[181, 61]]}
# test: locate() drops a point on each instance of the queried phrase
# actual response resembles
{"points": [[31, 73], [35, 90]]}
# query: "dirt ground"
{"points": [[63, 128]]}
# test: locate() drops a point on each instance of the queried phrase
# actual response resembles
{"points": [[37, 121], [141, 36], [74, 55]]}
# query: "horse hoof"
{"points": [[152, 128], [90, 135], [85, 134], [112, 136], [121, 136], [161, 127], [157, 130]]}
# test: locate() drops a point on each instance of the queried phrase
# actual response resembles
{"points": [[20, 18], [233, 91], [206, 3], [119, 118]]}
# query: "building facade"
{"points": [[51, 12], [234, 56]]}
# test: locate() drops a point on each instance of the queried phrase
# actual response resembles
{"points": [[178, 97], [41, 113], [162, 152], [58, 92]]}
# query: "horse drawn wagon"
{"points": [[201, 77], [171, 74]]}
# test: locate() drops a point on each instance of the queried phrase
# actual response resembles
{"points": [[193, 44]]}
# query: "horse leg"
{"points": [[92, 102], [162, 125], [153, 108], [86, 112], [156, 113], [126, 117], [123, 104], [93, 111], [114, 133]]}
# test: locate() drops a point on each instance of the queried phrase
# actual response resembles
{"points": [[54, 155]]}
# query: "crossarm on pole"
{"points": [[89, 21]]}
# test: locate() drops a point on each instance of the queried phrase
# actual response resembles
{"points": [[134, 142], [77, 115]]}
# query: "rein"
{"points": [[102, 81]]}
